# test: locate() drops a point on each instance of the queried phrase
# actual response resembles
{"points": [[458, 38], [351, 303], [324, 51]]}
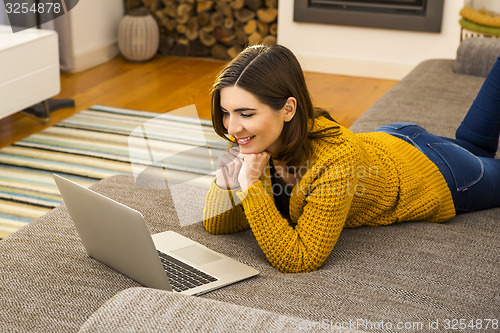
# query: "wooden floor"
{"points": [[167, 83]]}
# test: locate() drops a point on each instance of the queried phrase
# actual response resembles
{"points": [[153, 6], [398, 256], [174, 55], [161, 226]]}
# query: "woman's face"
{"points": [[255, 125]]}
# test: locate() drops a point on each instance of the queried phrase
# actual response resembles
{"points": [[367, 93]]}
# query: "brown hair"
{"points": [[272, 74]]}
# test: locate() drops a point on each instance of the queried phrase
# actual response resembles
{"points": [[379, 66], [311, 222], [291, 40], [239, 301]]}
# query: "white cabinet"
{"points": [[29, 68]]}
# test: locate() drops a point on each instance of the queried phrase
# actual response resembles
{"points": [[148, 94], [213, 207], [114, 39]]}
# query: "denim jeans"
{"points": [[467, 162]]}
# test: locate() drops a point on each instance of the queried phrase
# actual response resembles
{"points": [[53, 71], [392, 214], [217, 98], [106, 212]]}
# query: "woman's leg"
{"points": [[483, 194], [481, 125], [474, 181]]}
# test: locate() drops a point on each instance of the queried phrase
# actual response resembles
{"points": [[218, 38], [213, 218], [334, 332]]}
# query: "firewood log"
{"points": [[184, 12], [206, 37], [169, 24], [237, 4], [234, 51], [254, 4], [273, 29], [151, 5], [262, 28], [267, 15], [181, 29], [224, 7], [224, 36], [272, 3], [192, 29], [241, 36], [160, 15], [133, 4], [219, 51], [203, 18], [255, 38], [217, 19], [269, 40], [250, 27], [244, 15], [170, 9], [228, 23], [191, 35], [209, 27], [204, 5]]}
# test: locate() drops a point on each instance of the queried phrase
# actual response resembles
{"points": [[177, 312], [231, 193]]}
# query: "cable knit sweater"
{"points": [[354, 180]]}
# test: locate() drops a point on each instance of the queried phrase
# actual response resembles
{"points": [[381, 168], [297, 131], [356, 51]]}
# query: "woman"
{"points": [[297, 179]]}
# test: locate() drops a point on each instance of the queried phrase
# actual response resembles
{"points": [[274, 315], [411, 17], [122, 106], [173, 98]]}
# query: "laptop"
{"points": [[118, 236]]}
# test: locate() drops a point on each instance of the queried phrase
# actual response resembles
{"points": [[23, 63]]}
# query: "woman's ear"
{"points": [[290, 108]]}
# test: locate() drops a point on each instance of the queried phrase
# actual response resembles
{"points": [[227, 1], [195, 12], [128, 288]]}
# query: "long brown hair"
{"points": [[272, 74]]}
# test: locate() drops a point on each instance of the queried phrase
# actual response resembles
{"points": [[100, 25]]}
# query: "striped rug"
{"points": [[94, 144]]}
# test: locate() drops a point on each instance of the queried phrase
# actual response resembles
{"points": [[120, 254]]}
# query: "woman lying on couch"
{"points": [[297, 178]]}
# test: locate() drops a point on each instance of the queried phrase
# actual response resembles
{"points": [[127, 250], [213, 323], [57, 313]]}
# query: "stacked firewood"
{"points": [[211, 28]]}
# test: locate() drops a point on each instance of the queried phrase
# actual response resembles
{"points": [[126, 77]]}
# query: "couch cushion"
{"points": [[151, 310], [432, 96], [476, 56]]}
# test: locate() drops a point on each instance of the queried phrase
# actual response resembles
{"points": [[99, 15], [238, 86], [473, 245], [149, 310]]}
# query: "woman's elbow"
{"points": [[298, 267], [211, 227]]}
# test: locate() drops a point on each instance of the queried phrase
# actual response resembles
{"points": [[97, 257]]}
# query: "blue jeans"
{"points": [[467, 162]]}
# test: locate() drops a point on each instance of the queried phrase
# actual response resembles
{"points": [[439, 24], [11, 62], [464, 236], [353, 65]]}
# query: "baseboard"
{"points": [[93, 58], [356, 67]]}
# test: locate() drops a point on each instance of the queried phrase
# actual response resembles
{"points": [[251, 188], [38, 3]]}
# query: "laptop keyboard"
{"points": [[182, 276]]}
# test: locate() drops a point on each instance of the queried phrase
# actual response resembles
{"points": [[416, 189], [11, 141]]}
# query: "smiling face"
{"points": [[255, 125]]}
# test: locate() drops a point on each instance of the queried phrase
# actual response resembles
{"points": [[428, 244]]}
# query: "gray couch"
{"points": [[406, 277]]}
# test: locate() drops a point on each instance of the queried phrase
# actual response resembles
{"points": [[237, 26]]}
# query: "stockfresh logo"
{"points": [[178, 154], [25, 14]]}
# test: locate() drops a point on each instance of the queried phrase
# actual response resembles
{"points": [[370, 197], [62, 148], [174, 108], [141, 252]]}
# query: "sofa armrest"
{"points": [[152, 310], [476, 56]]}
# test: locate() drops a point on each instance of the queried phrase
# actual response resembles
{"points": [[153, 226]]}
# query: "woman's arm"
{"points": [[305, 247], [223, 211]]}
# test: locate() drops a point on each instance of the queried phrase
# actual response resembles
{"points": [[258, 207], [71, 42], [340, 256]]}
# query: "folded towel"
{"points": [[482, 17], [483, 29]]}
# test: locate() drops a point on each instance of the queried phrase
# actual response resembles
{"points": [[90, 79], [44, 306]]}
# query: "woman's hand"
{"points": [[252, 169], [228, 169]]}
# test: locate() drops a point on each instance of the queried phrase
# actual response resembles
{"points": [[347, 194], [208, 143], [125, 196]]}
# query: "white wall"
{"points": [[88, 34], [367, 52], [493, 5], [94, 32]]}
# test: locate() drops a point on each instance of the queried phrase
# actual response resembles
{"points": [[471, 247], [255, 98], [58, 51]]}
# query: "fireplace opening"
{"points": [[411, 15]]}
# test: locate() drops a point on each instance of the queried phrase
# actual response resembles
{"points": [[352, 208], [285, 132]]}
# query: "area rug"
{"points": [[92, 145]]}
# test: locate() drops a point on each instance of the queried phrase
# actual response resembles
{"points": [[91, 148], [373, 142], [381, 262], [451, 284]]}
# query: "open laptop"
{"points": [[117, 236]]}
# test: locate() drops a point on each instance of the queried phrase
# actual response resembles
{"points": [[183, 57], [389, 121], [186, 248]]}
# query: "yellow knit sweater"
{"points": [[354, 180]]}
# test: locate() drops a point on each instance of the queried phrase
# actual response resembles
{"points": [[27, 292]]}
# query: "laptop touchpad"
{"points": [[196, 254]]}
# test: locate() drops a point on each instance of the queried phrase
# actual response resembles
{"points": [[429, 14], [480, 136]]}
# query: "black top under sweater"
{"points": [[281, 192]]}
